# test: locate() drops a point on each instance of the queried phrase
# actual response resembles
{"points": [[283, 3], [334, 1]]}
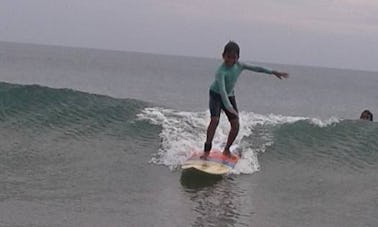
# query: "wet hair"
{"points": [[231, 48], [366, 115]]}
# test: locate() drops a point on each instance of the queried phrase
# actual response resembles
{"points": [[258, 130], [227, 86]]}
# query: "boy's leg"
{"points": [[214, 121], [215, 109], [232, 135], [234, 122], [210, 135]]}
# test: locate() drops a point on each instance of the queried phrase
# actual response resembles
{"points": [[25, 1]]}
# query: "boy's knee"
{"points": [[235, 123]]}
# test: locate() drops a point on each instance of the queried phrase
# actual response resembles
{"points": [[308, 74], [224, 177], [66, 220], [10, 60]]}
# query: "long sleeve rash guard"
{"points": [[226, 77]]}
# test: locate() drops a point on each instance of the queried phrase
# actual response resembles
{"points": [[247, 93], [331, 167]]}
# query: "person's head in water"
{"points": [[366, 115], [231, 53]]}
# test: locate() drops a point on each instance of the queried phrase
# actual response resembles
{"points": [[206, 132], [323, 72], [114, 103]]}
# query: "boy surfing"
{"points": [[222, 95]]}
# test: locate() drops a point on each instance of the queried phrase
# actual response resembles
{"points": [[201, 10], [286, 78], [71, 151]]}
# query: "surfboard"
{"points": [[216, 163]]}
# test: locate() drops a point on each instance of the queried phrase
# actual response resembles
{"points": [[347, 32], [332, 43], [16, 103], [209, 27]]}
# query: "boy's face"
{"points": [[230, 58]]}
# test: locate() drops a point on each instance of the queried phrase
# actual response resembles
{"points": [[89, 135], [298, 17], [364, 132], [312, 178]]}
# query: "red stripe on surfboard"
{"points": [[217, 156]]}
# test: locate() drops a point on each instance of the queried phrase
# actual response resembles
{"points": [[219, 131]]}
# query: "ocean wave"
{"points": [[33, 110]]}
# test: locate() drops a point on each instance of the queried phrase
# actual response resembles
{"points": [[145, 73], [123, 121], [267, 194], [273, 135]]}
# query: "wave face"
{"points": [[351, 144], [74, 113]]}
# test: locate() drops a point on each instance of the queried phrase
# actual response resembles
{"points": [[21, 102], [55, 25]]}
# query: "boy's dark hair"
{"points": [[368, 114], [232, 48]]}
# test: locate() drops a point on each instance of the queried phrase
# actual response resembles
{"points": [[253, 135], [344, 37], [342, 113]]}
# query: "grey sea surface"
{"points": [[96, 138]]}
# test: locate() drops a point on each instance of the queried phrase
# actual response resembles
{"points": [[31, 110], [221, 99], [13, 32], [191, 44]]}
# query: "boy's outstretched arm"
{"points": [[280, 75], [259, 69]]}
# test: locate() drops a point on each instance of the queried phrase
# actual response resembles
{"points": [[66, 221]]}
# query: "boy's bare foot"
{"points": [[206, 151], [227, 153], [205, 155]]}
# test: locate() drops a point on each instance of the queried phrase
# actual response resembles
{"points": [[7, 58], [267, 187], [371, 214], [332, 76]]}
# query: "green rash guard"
{"points": [[226, 77]]}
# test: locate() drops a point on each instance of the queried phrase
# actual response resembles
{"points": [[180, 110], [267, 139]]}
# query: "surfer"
{"points": [[366, 115], [222, 95]]}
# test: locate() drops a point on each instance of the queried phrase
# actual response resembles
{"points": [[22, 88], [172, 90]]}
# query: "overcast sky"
{"points": [[332, 33]]}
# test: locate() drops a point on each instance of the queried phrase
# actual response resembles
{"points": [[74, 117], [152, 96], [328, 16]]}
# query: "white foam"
{"points": [[181, 133], [184, 132], [324, 123]]}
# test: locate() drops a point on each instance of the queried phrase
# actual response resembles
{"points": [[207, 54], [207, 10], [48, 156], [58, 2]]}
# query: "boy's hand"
{"points": [[280, 75], [233, 111]]}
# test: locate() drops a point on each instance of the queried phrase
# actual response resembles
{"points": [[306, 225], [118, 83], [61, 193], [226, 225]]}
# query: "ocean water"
{"points": [[96, 138]]}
